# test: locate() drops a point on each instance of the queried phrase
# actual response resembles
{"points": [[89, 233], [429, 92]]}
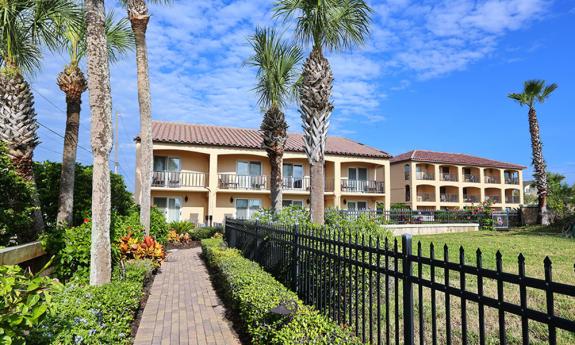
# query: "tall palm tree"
{"points": [[101, 139], [335, 25], [73, 83], [536, 91], [25, 26], [139, 17], [276, 62]]}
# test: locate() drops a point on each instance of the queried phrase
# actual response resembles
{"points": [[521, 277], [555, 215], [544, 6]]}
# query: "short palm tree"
{"points": [[335, 25], [536, 91], [73, 83], [139, 17], [101, 140], [276, 61], [25, 26]]}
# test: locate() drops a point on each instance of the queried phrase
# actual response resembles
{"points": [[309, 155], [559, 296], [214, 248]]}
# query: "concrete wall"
{"points": [[430, 229]]}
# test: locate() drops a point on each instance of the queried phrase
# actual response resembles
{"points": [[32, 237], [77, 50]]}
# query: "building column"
{"points": [[481, 184], [520, 176], [337, 184], [387, 185], [460, 187], [436, 179], [213, 186], [413, 185]]}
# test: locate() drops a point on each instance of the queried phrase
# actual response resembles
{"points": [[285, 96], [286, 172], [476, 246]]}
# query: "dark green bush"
{"points": [[254, 292], [16, 204], [199, 234], [47, 176], [83, 314]]}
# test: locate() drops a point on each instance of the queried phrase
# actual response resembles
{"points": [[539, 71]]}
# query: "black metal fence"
{"points": [[407, 216], [387, 294]]}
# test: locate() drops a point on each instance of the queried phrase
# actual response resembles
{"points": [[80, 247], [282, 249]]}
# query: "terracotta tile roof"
{"points": [[184, 133], [452, 158]]}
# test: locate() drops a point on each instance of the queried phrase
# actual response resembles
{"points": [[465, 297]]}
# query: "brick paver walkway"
{"points": [[183, 308]]}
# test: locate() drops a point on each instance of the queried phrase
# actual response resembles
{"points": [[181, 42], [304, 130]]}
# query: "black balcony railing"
{"points": [[359, 186], [249, 182], [177, 179], [491, 179], [449, 177], [512, 200], [512, 180], [493, 198], [446, 197], [470, 178], [471, 198], [425, 197]]}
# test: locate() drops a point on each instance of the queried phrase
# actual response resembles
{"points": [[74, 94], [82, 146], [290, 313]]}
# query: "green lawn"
{"points": [[535, 243]]}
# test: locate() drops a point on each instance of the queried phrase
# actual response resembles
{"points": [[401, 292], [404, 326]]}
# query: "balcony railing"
{"points": [[493, 198], [177, 179], [425, 197], [449, 177], [424, 175], [491, 179], [449, 198], [512, 200], [296, 183], [249, 182], [359, 186], [471, 198], [471, 178], [512, 180]]}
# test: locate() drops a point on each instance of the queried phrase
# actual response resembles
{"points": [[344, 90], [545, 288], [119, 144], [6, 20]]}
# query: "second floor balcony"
{"points": [[471, 178], [492, 179], [178, 179], [247, 182], [424, 175], [512, 180], [362, 186]]}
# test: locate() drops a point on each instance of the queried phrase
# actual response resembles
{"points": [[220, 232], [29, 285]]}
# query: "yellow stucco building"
{"points": [[427, 180], [203, 172]]}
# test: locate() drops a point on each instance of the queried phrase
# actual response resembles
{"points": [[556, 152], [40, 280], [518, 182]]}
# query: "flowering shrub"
{"points": [[483, 213], [288, 216], [133, 249]]}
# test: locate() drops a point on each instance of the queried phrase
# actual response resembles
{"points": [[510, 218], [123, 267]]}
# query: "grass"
{"points": [[535, 243]]}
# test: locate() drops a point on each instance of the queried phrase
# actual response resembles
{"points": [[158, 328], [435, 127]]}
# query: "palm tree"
{"points": [[26, 25], [276, 61], [73, 83], [101, 139], [536, 91], [139, 18], [335, 25]]}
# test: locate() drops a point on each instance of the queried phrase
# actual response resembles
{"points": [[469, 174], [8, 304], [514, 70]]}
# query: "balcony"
{"points": [[360, 186], [496, 199], [245, 182], [422, 197], [512, 200], [471, 178], [491, 179], [449, 197], [178, 179], [471, 198], [512, 180], [292, 183], [424, 175], [448, 177]]}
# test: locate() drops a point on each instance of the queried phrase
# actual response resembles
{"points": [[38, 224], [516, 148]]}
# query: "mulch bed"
{"points": [[191, 244], [146, 293]]}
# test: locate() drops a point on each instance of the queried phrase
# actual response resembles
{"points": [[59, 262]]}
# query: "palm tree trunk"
{"points": [[274, 129], [540, 167], [18, 130], [101, 139], [316, 109], [73, 83], [139, 18]]}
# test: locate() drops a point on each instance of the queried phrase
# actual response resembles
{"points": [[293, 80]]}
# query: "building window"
{"points": [[407, 193], [246, 208], [170, 207], [287, 203], [407, 171], [293, 175], [244, 168], [357, 205]]}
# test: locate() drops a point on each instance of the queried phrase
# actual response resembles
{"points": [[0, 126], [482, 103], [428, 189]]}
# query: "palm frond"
{"points": [[50, 16], [334, 24], [276, 61], [519, 97], [533, 90], [547, 91]]}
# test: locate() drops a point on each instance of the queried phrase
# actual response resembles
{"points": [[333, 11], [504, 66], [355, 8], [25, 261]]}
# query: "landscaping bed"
{"points": [[252, 293]]}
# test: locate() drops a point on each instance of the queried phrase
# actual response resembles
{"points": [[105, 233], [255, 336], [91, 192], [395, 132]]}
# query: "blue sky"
{"points": [[434, 75]]}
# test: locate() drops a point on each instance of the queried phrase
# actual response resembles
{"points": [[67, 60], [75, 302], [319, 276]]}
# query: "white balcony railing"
{"points": [[424, 175], [360, 186], [177, 179], [248, 182]]}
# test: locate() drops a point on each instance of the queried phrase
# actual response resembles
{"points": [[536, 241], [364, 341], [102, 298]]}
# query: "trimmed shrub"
{"points": [[83, 314], [199, 234], [253, 292]]}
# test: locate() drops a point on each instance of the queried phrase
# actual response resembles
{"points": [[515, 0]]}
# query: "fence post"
{"points": [[407, 290], [294, 258]]}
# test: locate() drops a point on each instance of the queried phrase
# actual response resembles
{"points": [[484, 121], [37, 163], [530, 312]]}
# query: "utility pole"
{"points": [[116, 144]]}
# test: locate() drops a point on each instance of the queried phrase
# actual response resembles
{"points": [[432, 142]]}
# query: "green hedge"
{"points": [[203, 233], [254, 292], [83, 314]]}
